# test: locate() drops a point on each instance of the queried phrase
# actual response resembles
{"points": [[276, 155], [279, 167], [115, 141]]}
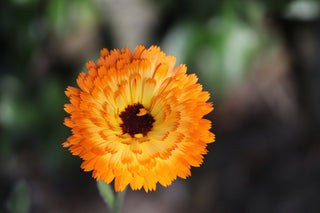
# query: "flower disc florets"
{"points": [[135, 123]]}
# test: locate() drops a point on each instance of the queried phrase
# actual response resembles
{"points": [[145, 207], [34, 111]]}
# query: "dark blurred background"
{"points": [[259, 59]]}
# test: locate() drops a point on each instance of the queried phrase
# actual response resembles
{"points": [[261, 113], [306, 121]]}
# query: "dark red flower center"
{"points": [[133, 123]]}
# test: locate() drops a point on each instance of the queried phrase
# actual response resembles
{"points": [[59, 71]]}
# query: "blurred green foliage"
{"points": [[222, 48], [19, 201], [31, 103], [65, 16]]}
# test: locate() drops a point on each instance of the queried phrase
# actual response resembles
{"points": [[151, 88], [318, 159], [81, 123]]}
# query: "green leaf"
{"points": [[113, 201], [19, 201], [106, 193]]}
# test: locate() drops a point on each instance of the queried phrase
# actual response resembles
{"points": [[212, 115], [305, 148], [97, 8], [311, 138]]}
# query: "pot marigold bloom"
{"points": [[138, 120]]}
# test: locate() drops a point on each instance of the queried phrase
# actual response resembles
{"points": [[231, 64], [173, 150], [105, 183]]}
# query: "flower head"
{"points": [[138, 120]]}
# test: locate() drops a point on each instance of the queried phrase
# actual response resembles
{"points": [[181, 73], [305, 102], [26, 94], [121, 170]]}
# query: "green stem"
{"points": [[119, 201], [114, 201]]}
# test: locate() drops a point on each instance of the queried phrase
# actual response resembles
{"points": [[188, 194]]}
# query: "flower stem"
{"points": [[114, 201]]}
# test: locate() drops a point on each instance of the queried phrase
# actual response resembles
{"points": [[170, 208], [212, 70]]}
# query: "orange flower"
{"points": [[138, 120]]}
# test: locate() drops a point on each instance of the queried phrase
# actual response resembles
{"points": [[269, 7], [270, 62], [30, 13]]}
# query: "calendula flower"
{"points": [[137, 119]]}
